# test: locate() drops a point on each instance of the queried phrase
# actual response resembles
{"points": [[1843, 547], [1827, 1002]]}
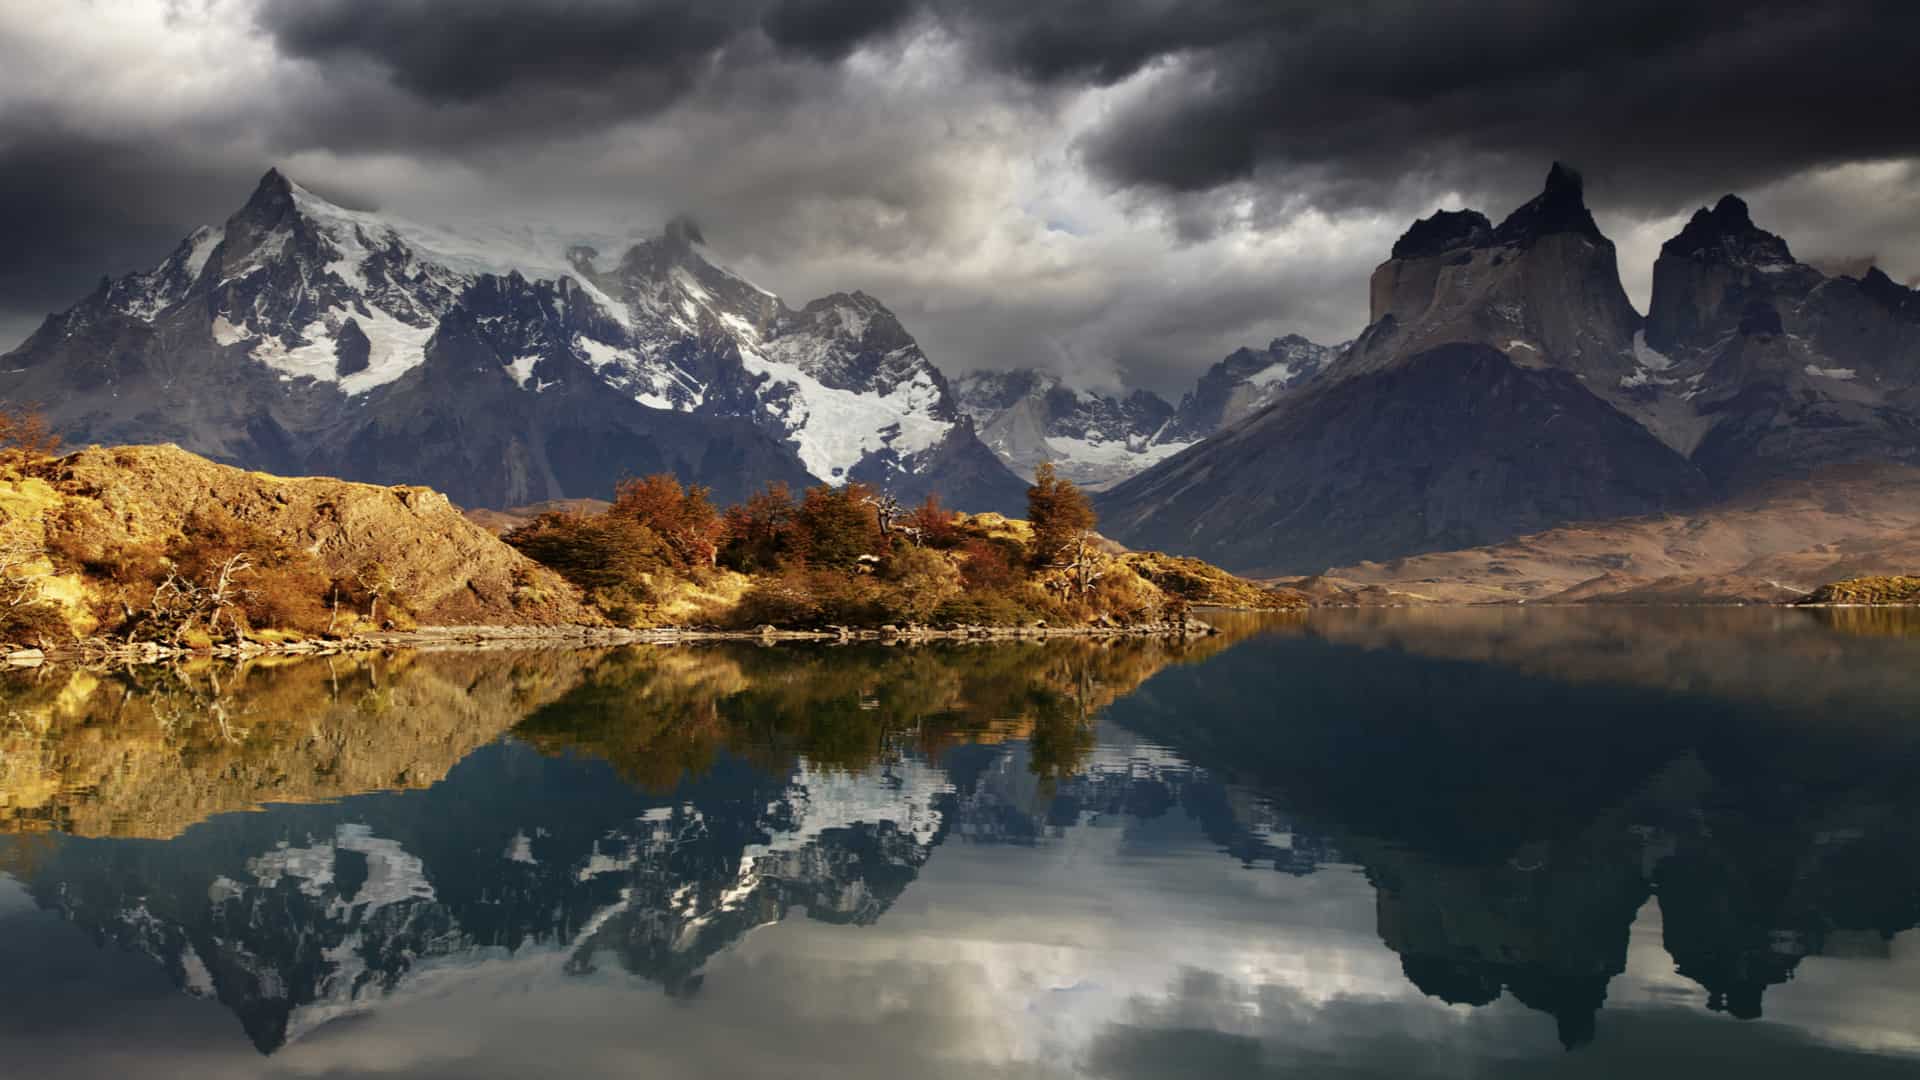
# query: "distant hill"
{"points": [[1780, 542]]}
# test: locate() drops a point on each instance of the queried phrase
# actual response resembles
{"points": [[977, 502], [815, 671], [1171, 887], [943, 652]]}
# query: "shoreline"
{"points": [[575, 636]]}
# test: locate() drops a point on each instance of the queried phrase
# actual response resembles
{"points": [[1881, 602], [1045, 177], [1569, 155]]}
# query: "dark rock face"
{"points": [[1560, 208], [1457, 447], [1784, 367], [464, 424], [1715, 272], [1543, 288], [1446, 230], [351, 349]]}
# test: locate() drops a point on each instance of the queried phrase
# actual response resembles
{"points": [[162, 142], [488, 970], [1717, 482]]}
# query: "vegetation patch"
{"points": [[1200, 582], [1896, 589]]}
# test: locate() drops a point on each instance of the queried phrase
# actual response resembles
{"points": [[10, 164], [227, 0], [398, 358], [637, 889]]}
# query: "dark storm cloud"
{"points": [[830, 29], [1337, 107], [1104, 41], [453, 50], [74, 208], [1666, 100]]}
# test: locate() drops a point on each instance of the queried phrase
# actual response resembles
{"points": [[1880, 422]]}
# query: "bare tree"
{"points": [[380, 585], [887, 511], [180, 604], [21, 560]]}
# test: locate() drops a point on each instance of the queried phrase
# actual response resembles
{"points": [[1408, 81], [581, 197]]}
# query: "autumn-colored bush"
{"points": [[758, 534], [916, 581], [1059, 514], [682, 517], [988, 565], [834, 527], [933, 525], [24, 434], [614, 558]]}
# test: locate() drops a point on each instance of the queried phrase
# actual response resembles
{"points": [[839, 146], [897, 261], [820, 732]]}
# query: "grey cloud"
{"points": [[1668, 100], [830, 29], [652, 50]]}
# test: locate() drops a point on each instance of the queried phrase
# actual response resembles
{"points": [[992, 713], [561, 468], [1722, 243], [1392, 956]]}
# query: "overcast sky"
{"points": [[1120, 189]]}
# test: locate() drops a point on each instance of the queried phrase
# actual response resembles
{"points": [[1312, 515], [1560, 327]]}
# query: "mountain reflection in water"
{"points": [[1628, 825]]}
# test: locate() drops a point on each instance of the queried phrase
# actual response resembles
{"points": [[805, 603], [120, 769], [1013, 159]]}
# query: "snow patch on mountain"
{"points": [[834, 429]]}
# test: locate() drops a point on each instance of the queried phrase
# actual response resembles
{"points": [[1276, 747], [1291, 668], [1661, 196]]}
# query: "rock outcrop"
{"points": [[448, 570]]}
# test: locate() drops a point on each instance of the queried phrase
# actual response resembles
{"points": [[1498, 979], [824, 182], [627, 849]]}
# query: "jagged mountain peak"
{"points": [[1725, 232], [683, 232], [356, 331], [1561, 207], [1890, 294]]}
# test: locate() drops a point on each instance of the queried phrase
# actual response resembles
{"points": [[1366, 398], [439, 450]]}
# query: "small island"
{"points": [[1880, 591]]}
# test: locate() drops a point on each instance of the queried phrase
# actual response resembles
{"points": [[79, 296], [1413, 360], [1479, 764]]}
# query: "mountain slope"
{"points": [[1776, 542], [505, 365], [1455, 447]]}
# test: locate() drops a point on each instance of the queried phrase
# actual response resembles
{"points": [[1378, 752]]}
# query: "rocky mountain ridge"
{"points": [[1750, 366], [1097, 438], [503, 366]]}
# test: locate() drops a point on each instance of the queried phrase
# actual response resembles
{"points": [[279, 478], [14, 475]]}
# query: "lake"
{"points": [[1423, 843]]}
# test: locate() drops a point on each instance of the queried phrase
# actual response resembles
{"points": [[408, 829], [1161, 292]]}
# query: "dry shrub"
{"points": [[24, 435], [800, 597], [35, 623], [151, 590], [285, 588], [610, 557], [989, 566], [917, 581]]}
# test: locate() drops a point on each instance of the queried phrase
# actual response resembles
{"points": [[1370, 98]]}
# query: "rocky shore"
{"points": [[579, 636]]}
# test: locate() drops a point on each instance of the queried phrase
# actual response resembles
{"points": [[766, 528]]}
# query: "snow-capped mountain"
{"points": [[1098, 439], [1244, 383], [1094, 439], [505, 365]]}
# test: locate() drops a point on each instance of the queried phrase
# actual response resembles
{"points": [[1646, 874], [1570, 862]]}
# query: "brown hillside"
{"points": [[446, 570], [1780, 543]]}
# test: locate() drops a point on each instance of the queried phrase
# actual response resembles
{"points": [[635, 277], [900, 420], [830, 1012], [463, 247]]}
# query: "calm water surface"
{"points": [[1401, 844]]}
